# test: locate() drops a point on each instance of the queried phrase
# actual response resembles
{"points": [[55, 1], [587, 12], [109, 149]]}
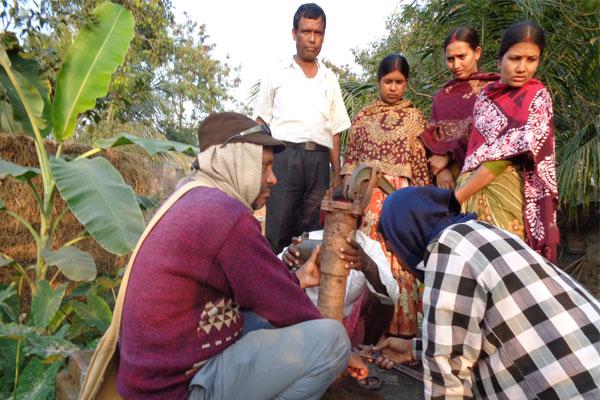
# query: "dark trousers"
{"points": [[293, 208], [377, 318]]}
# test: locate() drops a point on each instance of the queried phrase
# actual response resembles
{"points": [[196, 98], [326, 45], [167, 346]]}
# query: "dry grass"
{"points": [[16, 241]]}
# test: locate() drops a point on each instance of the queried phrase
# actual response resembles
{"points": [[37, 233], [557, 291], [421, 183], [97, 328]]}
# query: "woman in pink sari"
{"points": [[450, 122], [509, 174]]}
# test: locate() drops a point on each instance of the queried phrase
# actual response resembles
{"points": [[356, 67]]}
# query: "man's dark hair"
{"points": [[391, 63], [309, 11], [524, 31], [463, 34]]}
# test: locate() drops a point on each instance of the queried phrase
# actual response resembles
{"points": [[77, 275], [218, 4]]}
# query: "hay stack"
{"points": [[16, 241]]}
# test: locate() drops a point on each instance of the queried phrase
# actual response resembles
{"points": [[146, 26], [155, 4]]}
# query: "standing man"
{"points": [[201, 280], [302, 102]]}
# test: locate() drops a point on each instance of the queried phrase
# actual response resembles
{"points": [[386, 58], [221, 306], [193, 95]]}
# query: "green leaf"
{"points": [[75, 264], [152, 146], [4, 60], [48, 346], [25, 99], [59, 322], [4, 261], [96, 312], [82, 289], [46, 303], [7, 118], [35, 342], [8, 356], [7, 292], [37, 381], [9, 302], [16, 171], [78, 327], [27, 65], [146, 203], [16, 331], [98, 50], [108, 283], [62, 332], [101, 201]]}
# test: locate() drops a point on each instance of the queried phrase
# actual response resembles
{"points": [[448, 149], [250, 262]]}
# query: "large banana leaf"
{"points": [[26, 65], [152, 146], [99, 49], [101, 201], [8, 122], [17, 171], [26, 101], [31, 70]]}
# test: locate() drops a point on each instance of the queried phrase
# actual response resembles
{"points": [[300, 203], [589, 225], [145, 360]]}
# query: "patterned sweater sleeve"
{"points": [[454, 305], [260, 282], [420, 171]]}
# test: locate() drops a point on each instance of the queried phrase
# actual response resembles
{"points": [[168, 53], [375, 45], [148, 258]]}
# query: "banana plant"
{"points": [[92, 188], [31, 352]]}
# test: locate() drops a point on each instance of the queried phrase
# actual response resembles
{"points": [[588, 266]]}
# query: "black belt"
{"points": [[308, 146]]}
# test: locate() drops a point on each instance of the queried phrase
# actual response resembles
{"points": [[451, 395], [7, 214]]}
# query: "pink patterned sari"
{"points": [[517, 124]]}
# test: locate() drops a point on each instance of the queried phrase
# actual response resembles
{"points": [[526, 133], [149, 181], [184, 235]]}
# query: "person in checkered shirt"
{"points": [[500, 321]]}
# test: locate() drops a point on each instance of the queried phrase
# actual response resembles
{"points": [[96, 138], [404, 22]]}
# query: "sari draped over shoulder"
{"points": [[516, 124], [387, 136], [451, 116]]}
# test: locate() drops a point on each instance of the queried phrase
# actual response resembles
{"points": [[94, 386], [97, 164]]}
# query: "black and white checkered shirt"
{"points": [[501, 322]]}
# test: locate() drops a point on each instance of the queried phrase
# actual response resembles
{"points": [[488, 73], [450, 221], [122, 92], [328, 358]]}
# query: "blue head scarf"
{"points": [[412, 217]]}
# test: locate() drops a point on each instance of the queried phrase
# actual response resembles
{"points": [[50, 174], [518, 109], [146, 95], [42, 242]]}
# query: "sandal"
{"points": [[371, 382]]}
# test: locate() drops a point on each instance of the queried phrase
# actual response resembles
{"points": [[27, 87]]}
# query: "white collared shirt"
{"points": [[357, 281], [300, 109]]}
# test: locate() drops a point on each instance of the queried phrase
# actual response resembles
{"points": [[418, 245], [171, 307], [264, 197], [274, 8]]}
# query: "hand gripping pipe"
{"points": [[340, 221]]}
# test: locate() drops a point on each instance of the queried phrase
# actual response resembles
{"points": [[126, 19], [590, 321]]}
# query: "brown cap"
{"points": [[230, 127]]}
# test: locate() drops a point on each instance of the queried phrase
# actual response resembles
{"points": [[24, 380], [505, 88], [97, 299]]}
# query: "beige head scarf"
{"points": [[236, 169]]}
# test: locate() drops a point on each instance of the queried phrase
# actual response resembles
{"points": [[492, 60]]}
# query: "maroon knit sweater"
{"points": [[203, 261]]}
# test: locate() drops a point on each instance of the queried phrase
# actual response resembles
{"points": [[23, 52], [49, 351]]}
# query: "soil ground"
{"points": [[396, 386]]}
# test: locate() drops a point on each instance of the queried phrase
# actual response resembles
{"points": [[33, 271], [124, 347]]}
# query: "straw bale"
{"points": [[16, 241]]}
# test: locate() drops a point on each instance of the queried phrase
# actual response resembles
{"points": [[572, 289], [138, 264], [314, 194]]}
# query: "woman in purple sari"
{"points": [[451, 115]]}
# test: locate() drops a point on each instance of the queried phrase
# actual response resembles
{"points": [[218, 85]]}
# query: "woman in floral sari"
{"points": [[509, 174], [450, 122], [385, 134]]}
